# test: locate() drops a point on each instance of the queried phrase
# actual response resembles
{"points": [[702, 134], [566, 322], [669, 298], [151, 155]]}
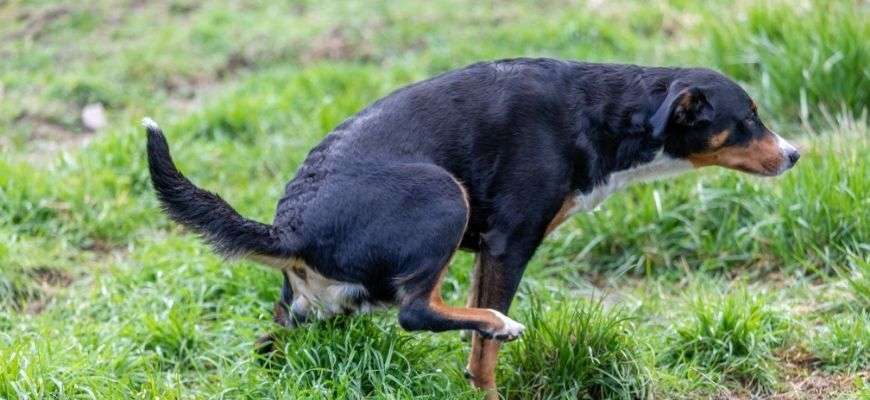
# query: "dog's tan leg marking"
{"points": [[429, 307], [473, 289], [496, 324], [482, 363], [483, 359]]}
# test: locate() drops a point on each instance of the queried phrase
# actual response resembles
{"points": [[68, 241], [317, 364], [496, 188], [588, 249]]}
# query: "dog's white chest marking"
{"points": [[662, 166]]}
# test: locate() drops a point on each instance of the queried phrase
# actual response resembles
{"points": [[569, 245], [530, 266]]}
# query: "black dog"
{"points": [[489, 158]]}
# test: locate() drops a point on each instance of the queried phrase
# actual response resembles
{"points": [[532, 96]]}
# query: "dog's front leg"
{"points": [[494, 283]]}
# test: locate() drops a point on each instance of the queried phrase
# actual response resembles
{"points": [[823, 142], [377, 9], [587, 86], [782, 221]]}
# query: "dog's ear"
{"points": [[685, 106]]}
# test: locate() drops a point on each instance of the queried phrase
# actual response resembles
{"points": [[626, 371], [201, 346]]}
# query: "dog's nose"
{"points": [[793, 157]]}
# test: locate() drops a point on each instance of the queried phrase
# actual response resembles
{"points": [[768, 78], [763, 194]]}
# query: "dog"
{"points": [[489, 158]]}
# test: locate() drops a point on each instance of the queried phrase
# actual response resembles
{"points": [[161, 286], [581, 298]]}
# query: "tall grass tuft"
{"points": [[575, 350], [857, 275], [844, 342], [357, 357], [729, 339], [806, 55]]}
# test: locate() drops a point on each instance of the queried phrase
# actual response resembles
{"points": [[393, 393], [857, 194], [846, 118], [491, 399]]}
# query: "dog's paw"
{"points": [[510, 329]]}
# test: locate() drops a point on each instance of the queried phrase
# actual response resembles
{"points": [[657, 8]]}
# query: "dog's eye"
{"points": [[743, 130]]}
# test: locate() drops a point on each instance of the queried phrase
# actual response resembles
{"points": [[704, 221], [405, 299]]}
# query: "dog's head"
{"points": [[708, 119]]}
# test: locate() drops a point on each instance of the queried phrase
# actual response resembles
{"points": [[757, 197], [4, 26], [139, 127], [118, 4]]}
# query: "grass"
{"points": [[806, 55], [575, 349], [843, 343], [731, 337], [857, 276], [370, 358], [702, 285]]}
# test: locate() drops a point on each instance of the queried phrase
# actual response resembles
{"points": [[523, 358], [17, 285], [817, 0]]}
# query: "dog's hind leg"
{"points": [[281, 315], [421, 304], [427, 311], [287, 311]]}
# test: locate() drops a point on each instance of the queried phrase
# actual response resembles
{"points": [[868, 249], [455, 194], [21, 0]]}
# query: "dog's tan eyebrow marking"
{"points": [[718, 139]]}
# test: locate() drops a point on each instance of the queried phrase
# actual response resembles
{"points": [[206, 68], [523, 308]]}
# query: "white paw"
{"points": [[510, 329]]}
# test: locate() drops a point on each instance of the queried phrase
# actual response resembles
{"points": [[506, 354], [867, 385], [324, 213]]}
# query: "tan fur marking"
{"points": [[562, 215], [482, 364], [279, 263], [761, 156], [718, 139], [483, 358], [686, 99], [461, 313]]}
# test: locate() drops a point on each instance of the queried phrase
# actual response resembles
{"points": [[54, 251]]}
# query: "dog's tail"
{"points": [[230, 234]]}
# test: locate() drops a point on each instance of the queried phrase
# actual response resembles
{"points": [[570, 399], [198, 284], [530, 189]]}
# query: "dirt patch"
{"points": [[49, 137], [804, 381], [99, 246], [50, 277], [49, 281], [36, 21], [235, 62], [338, 45], [817, 386], [187, 93]]}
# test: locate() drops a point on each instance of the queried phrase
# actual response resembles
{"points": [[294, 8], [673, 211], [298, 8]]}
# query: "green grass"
{"points": [[844, 344], [102, 297], [857, 276], [806, 56], [361, 358], [730, 337], [576, 349]]}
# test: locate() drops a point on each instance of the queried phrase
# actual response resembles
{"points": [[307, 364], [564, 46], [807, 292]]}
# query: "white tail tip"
{"points": [[150, 124]]}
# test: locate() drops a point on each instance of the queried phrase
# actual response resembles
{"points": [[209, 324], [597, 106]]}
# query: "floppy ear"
{"points": [[682, 106]]}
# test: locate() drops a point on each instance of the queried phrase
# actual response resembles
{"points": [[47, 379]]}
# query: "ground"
{"points": [[712, 285]]}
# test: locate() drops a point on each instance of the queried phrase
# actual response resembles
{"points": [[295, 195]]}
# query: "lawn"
{"points": [[712, 285]]}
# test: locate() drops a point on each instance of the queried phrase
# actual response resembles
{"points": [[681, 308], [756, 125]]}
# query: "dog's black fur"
{"points": [[482, 158]]}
